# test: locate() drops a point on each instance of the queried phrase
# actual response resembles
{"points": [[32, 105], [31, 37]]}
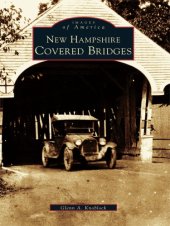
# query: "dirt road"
{"points": [[141, 191]]}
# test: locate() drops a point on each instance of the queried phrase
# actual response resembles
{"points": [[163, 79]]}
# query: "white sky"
{"points": [[29, 7]]}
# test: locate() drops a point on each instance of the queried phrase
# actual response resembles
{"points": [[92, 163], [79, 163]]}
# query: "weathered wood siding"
{"points": [[161, 123]]}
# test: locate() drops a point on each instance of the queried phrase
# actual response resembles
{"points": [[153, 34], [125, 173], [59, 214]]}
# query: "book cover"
{"points": [[84, 109]]}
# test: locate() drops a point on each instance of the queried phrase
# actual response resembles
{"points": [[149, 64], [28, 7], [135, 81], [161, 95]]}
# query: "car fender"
{"points": [[109, 145], [50, 149], [70, 145], [47, 146]]}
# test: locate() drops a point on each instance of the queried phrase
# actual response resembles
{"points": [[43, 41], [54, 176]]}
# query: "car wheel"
{"points": [[111, 158], [45, 159], [68, 159]]}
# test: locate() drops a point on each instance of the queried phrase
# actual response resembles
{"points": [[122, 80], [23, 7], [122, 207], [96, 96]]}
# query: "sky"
{"points": [[29, 7]]}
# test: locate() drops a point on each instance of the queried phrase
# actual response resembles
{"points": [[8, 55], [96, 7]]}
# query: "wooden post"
{"points": [[143, 110], [50, 128], [146, 140], [36, 128], [149, 112], [132, 108], [127, 115], [104, 123], [1, 124], [146, 111]]}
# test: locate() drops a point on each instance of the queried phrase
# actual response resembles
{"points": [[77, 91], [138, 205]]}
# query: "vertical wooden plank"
{"points": [[1, 122], [114, 127], [149, 112], [99, 128], [127, 114], [146, 140], [143, 109], [49, 126], [101, 121], [104, 122], [36, 128], [132, 113]]}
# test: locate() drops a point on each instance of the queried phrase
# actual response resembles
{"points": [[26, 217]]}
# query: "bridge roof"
{"points": [[150, 59]]}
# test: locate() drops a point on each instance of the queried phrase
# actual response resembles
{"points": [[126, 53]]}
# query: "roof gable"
{"points": [[150, 59]]}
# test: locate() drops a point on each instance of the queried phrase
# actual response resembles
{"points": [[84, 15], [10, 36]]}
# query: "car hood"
{"points": [[82, 137]]}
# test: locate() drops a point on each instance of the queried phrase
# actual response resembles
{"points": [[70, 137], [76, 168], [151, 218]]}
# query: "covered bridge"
{"points": [[129, 97]]}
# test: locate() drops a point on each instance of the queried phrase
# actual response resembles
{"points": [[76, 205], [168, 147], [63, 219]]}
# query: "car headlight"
{"points": [[78, 142], [102, 141]]}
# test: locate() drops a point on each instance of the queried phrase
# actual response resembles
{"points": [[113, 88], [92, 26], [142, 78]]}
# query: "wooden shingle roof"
{"points": [[150, 59]]}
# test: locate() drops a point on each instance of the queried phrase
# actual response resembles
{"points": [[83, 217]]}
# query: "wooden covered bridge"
{"points": [[129, 97]]}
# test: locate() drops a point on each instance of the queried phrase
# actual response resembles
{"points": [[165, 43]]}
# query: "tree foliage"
{"points": [[44, 6], [53, 2], [10, 24], [151, 17]]}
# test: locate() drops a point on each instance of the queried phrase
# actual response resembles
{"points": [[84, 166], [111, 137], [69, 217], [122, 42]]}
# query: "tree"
{"points": [[10, 24], [53, 2], [151, 18], [126, 8], [44, 6]]}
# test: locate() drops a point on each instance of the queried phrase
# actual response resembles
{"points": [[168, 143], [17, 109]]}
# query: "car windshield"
{"points": [[80, 126], [77, 126]]}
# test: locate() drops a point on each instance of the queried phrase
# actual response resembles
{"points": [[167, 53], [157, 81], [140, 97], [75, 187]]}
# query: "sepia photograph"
{"points": [[84, 112]]}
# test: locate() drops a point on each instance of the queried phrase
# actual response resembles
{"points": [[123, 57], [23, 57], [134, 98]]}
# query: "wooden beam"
{"points": [[143, 108], [112, 79], [132, 107], [127, 114]]}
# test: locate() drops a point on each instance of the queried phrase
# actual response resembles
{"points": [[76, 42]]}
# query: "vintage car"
{"points": [[75, 138]]}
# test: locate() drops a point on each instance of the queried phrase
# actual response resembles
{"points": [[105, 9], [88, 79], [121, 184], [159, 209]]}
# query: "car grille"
{"points": [[89, 146]]}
